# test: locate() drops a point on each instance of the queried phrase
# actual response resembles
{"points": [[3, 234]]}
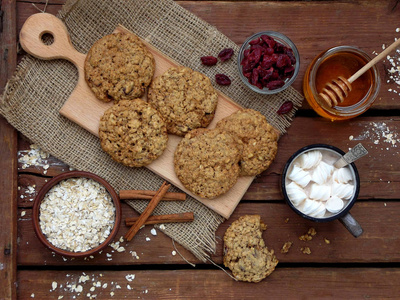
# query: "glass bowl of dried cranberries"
{"points": [[268, 62]]}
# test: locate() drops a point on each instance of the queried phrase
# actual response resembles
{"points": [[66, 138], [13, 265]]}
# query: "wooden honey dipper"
{"points": [[335, 92]]}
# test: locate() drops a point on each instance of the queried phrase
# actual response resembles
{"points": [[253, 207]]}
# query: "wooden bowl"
{"points": [[54, 181]]}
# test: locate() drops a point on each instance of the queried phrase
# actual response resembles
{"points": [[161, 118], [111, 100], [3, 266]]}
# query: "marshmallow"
{"points": [[334, 204], [309, 206], [310, 159], [342, 175], [299, 176], [320, 192], [322, 172], [295, 193], [320, 212], [342, 190]]}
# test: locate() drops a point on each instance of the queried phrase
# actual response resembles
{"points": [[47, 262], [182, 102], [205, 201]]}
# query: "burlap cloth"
{"points": [[35, 94]]}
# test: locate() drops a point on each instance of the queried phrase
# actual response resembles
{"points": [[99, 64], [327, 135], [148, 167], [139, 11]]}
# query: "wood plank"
{"points": [[379, 243], [284, 283], [8, 207], [8, 161]]}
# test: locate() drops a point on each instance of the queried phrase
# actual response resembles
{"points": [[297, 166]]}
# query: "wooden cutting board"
{"points": [[83, 108]]}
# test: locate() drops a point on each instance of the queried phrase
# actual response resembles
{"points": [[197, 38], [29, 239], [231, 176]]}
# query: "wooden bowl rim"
{"points": [[54, 181]]}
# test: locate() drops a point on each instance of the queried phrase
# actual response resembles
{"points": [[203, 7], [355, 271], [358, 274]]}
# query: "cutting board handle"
{"points": [[33, 31]]}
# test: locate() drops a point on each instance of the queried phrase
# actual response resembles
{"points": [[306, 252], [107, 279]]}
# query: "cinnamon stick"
{"points": [[147, 195], [147, 212], [172, 218]]}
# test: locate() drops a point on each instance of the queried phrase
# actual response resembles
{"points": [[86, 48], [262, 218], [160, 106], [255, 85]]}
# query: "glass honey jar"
{"points": [[341, 61]]}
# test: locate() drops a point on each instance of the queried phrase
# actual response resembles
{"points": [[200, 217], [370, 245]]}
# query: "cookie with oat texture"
{"points": [[256, 139], [133, 133], [185, 98], [119, 67], [206, 162], [245, 253]]}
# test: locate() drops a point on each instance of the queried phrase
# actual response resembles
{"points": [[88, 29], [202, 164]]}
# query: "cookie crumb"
{"points": [[286, 246], [306, 250], [327, 241], [287, 220], [308, 236]]}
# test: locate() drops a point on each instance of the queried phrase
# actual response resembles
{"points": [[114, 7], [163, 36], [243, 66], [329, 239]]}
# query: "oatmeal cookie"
{"points": [[206, 162], [257, 140], [245, 253], [133, 133], [185, 98], [119, 67]]}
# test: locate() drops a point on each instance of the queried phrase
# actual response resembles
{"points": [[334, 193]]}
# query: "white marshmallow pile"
{"points": [[316, 187]]}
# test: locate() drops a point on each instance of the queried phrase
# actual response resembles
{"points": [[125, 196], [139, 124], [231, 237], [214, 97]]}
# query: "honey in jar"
{"points": [[341, 61]]}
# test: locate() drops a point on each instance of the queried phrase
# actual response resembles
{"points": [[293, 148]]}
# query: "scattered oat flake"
{"points": [[327, 241], [32, 295], [130, 277], [60, 297], [92, 289], [23, 213], [153, 231], [54, 285], [105, 286], [174, 253], [162, 226], [84, 278], [128, 287], [112, 294], [121, 249], [147, 239], [351, 138]]}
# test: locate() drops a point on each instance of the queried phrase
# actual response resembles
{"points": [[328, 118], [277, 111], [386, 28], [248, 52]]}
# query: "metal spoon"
{"points": [[355, 153]]}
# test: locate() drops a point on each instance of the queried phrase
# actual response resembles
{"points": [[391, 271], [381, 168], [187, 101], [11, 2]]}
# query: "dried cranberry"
{"points": [[289, 52], [225, 54], [268, 40], [209, 60], [288, 72], [283, 61], [260, 48], [269, 61], [267, 75], [285, 108], [255, 41], [275, 75], [246, 53], [269, 51], [255, 56], [254, 77], [222, 79], [280, 48], [273, 85]]}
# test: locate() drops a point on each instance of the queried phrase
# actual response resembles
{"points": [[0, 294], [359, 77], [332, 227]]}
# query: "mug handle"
{"points": [[351, 225]]}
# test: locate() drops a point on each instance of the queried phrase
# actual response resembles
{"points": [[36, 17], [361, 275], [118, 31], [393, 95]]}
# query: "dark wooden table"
{"points": [[346, 268]]}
